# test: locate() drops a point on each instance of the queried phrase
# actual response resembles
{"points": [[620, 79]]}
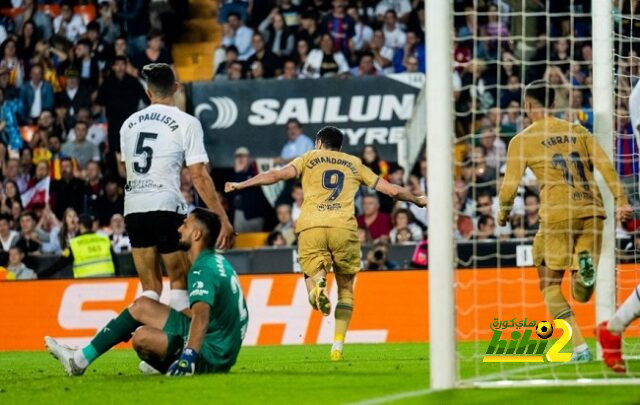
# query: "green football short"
{"points": [[177, 330]]}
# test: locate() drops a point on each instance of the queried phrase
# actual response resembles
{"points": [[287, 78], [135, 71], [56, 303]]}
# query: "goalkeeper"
{"points": [[167, 339], [562, 155]]}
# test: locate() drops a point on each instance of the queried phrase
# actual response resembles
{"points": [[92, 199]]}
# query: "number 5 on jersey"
{"points": [[146, 151]]}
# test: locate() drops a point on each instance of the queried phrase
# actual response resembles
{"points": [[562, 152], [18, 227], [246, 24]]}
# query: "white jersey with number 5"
{"points": [[154, 144]]}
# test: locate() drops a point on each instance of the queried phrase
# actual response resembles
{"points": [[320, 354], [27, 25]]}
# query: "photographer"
{"points": [[378, 257]]}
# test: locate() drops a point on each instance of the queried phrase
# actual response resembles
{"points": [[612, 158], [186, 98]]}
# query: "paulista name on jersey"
{"points": [[163, 118]]}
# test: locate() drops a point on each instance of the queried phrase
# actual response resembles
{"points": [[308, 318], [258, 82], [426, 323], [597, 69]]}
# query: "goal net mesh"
{"points": [[500, 47]]}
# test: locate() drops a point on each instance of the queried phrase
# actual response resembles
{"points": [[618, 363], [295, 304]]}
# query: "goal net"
{"points": [[498, 48]]}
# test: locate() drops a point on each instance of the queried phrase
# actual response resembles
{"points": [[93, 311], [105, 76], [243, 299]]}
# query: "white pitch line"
{"points": [[395, 397]]}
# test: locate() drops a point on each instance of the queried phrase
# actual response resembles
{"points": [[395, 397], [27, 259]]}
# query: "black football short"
{"points": [[154, 229]]}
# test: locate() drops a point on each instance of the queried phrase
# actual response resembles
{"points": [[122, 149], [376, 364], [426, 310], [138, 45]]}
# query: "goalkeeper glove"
{"points": [[185, 365]]}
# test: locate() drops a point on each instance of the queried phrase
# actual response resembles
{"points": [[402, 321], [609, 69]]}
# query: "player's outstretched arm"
{"points": [[263, 179], [186, 364], [400, 193], [207, 190], [516, 165]]}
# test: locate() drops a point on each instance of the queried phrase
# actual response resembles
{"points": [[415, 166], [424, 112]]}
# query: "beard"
{"points": [[184, 245]]}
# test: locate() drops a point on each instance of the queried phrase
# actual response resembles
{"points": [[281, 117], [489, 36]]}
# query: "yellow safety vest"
{"points": [[91, 256]]}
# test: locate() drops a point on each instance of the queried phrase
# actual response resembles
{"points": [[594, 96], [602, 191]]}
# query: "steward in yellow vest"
{"points": [[90, 253]]}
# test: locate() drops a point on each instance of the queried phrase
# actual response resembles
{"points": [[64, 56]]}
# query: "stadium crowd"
{"points": [[68, 78]]}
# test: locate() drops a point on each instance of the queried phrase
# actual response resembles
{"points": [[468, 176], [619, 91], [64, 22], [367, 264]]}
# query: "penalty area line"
{"points": [[394, 397]]}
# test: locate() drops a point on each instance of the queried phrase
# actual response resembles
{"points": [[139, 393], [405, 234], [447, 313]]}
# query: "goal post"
{"points": [[439, 114], [603, 114]]}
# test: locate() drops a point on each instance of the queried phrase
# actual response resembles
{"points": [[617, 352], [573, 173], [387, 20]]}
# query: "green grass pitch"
{"points": [[295, 375]]}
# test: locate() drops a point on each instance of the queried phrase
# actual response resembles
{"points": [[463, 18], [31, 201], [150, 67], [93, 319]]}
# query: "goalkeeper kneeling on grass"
{"points": [[171, 342]]}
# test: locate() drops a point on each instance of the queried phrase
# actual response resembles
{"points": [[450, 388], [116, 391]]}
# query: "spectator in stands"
{"points": [[486, 228], [277, 34], [256, 70], [119, 238], [11, 62], [276, 239], [363, 236], [94, 188], [298, 143], [10, 91], [365, 66], [134, 17], [26, 45], [298, 197], [17, 268], [325, 62], [309, 31], [80, 149], [382, 54], [9, 111], [289, 71], [579, 111], [61, 235], [155, 52], [270, 62], [377, 223], [237, 34], [413, 47], [404, 235], [411, 64], [96, 133], [11, 194], [240, 8], [285, 223], [36, 95], [394, 36], [12, 173], [110, 203], [402, 8], [340, 27], [120, 48], [76, 94], [531, 217], [231, 55], [68, 192], [234, 72], [120, 95], [29, 241], [483, 175], [484, 203], [403, 220], [249, 204], [86, 65], [301, 54], [68, 24], [31, 13], [363, 34], [8, 237], [291, 14], [108, 28], [495, 149]]}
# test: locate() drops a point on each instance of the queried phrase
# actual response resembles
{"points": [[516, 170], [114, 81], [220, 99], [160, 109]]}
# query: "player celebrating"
{"points": [[155, 142], [167, 339], [327, 226], [562, 155]]}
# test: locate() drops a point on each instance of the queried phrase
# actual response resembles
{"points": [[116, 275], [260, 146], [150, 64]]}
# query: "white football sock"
{"points": [[179, 300], [337, 346], [151, 295], [79, 359], [626, 313], [581, 348]]}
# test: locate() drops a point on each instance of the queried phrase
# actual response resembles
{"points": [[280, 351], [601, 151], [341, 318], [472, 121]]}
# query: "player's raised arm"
{"points": [[603, 164], [264, 179], [516, 164], [400, 193]]}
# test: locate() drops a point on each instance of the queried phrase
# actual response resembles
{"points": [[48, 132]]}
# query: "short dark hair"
{"points": [[5, 217], [29, 214], [160, 78], [233, 14], [541, 92], [232, 48], [294, 121], [85, 220], [484, 220], [331, 137], [154, 33], [120, 58], [211, 224]]}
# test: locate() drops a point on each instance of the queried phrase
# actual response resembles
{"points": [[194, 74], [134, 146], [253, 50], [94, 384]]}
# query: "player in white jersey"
{"points": [[155, 142]]}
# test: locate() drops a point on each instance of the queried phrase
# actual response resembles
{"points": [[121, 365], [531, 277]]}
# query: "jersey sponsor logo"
{"points": [[199, 293], [226, 108], [198, 284]]}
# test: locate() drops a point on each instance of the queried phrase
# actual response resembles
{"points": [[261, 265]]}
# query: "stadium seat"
{"points": [[27, 132], [251, 240], [52, 9], [87, 11]]}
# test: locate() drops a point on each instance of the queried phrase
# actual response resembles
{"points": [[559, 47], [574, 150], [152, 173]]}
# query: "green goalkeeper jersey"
{"points": [[212, 280]]}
